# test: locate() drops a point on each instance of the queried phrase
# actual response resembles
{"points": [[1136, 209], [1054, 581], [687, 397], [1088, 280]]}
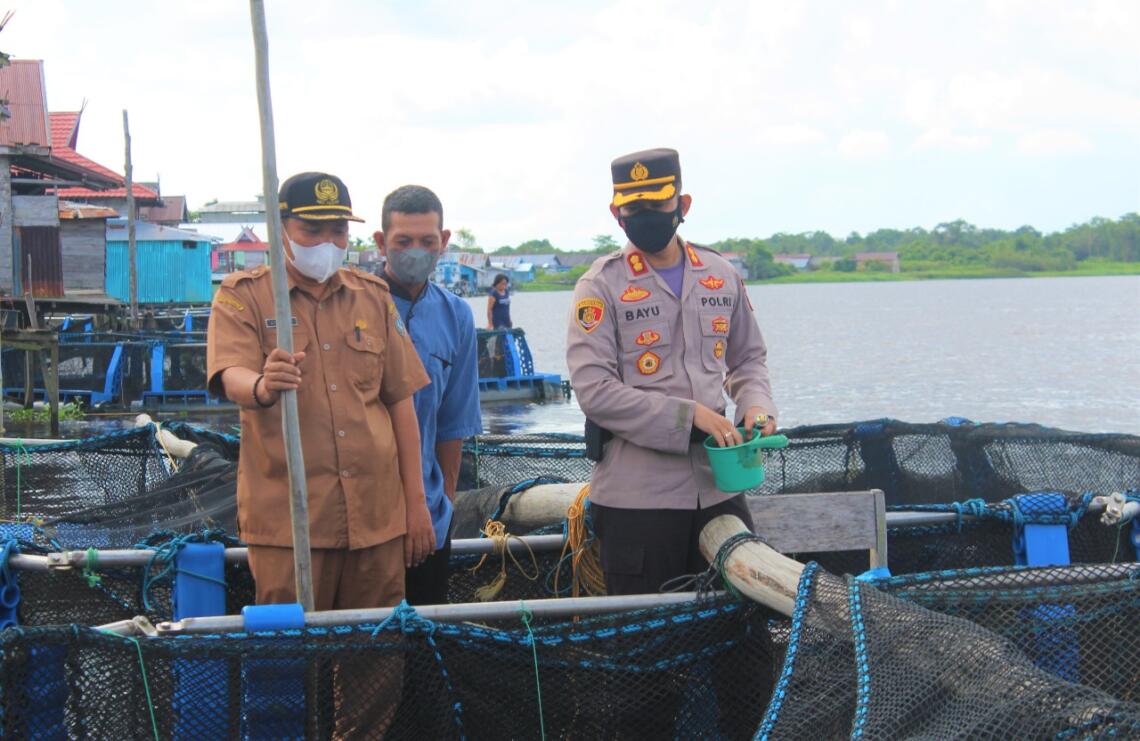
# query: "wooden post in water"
{"points": [[132, 256], [290, 420]]}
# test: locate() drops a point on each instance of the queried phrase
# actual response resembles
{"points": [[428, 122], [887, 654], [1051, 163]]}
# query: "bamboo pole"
{"points": [[132, 246], [290, 420]]}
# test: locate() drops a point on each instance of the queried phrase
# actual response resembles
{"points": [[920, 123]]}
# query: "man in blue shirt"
{"points": [[442, 327]]}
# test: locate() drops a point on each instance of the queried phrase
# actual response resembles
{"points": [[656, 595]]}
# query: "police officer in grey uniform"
{"points": [[659, 331]]}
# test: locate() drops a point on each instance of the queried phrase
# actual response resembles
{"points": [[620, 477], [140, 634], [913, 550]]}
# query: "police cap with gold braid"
{"points": [[315, 196], [652, 175]]}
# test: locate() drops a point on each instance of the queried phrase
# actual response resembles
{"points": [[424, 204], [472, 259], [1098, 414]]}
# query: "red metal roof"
{"points": [[64, 132], [22, 82], [242, 247]]}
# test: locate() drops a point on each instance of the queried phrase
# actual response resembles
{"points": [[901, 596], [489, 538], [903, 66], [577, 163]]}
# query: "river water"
{"points": [[1061, 352]]}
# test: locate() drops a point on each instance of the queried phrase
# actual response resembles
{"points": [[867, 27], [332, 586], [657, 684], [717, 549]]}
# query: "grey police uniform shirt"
{"points": [[639, 356]]}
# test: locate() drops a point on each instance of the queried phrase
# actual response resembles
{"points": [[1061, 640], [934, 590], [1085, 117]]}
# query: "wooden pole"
{"points": [[132, 254], [290, 420]]}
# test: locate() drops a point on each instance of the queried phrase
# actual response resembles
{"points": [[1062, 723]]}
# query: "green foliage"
{"points": [[70, 410], [757, 257], [464, 240], [605, 243], [844, 265]]}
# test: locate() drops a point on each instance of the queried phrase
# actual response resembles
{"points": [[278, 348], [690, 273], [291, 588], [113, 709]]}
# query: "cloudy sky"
{"points": [[789, 116]]}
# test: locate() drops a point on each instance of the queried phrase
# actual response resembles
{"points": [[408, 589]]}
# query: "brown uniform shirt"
{"points": [[640, 356], [358, 359]]}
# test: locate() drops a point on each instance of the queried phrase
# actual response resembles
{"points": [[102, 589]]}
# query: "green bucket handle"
{"points": [[768, 442]]}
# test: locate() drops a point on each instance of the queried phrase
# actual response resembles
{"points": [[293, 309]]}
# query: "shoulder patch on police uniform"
{"points": [[635, 293], [712, 282], [648, 363], [588, 312]]}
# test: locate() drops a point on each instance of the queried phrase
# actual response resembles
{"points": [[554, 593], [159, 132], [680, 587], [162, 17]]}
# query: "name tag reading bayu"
{"points": [[272, 323]]}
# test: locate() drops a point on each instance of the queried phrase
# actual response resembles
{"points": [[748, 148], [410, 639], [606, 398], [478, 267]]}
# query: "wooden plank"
{"points": [[816, 523], [35, 211]]}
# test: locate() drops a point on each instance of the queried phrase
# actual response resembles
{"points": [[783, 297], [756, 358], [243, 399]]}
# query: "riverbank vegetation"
{"points": [[955, 249]]}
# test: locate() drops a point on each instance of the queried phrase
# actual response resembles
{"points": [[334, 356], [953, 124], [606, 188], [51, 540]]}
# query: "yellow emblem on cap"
{"points": [[326, 192], [639, 172]]}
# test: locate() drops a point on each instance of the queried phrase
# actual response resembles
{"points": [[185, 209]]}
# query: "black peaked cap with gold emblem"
{"points": [[315, 196], [651, 175]]}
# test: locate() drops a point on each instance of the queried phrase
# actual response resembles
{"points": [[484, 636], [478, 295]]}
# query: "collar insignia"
{"points": [[693, 259], [637, 263]]}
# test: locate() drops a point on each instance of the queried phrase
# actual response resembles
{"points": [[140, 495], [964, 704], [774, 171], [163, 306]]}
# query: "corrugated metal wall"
{"points": [[167, 271], [84, 247], [41, 243]]}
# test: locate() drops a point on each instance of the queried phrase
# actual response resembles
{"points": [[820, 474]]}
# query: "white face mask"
{"points": [[318, 262]]}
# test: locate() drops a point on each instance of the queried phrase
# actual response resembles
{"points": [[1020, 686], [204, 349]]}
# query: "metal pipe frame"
{"points": [[464, 612], [126, 558]]}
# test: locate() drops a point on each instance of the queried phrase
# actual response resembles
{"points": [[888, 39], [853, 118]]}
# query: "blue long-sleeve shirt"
{"points": [[443, 330]]}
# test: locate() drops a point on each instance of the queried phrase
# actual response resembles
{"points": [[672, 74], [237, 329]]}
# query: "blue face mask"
{"points": [[413, 265]]}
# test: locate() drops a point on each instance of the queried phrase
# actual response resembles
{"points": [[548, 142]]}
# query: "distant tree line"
{"points": [[955, 244]]}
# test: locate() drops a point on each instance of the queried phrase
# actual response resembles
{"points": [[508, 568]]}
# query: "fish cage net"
{"points": [[912, 463], [1011, 653]]}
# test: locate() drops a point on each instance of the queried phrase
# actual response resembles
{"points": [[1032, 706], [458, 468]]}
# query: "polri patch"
{"points": [[589, 313], [648, 363]]}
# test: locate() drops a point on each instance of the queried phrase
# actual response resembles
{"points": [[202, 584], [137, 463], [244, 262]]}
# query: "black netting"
{"points": [[911, 463], [679, 672]]}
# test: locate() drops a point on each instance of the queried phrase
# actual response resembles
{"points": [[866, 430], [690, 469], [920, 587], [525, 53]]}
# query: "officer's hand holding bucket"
{"points": [[739, 467]]}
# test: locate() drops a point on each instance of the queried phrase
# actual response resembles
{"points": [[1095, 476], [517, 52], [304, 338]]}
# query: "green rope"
{"points": [[526, 618], [146, 685], [93, 579]]}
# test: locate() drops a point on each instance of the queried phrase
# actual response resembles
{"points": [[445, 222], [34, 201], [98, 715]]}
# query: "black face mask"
{"points": [[651, 231]]}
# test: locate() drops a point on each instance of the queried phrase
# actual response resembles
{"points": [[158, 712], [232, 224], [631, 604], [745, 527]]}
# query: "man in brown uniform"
{"points": [[354, 370], [659, 331]]}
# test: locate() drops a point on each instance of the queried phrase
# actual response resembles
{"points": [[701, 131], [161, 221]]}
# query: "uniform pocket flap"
{"points": [[638, 338], [715, 323], [364, 342]]}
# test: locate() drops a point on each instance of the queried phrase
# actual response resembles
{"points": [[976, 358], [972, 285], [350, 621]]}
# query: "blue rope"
{"points": [[408, 621], [164, 555], [973, 507]]}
